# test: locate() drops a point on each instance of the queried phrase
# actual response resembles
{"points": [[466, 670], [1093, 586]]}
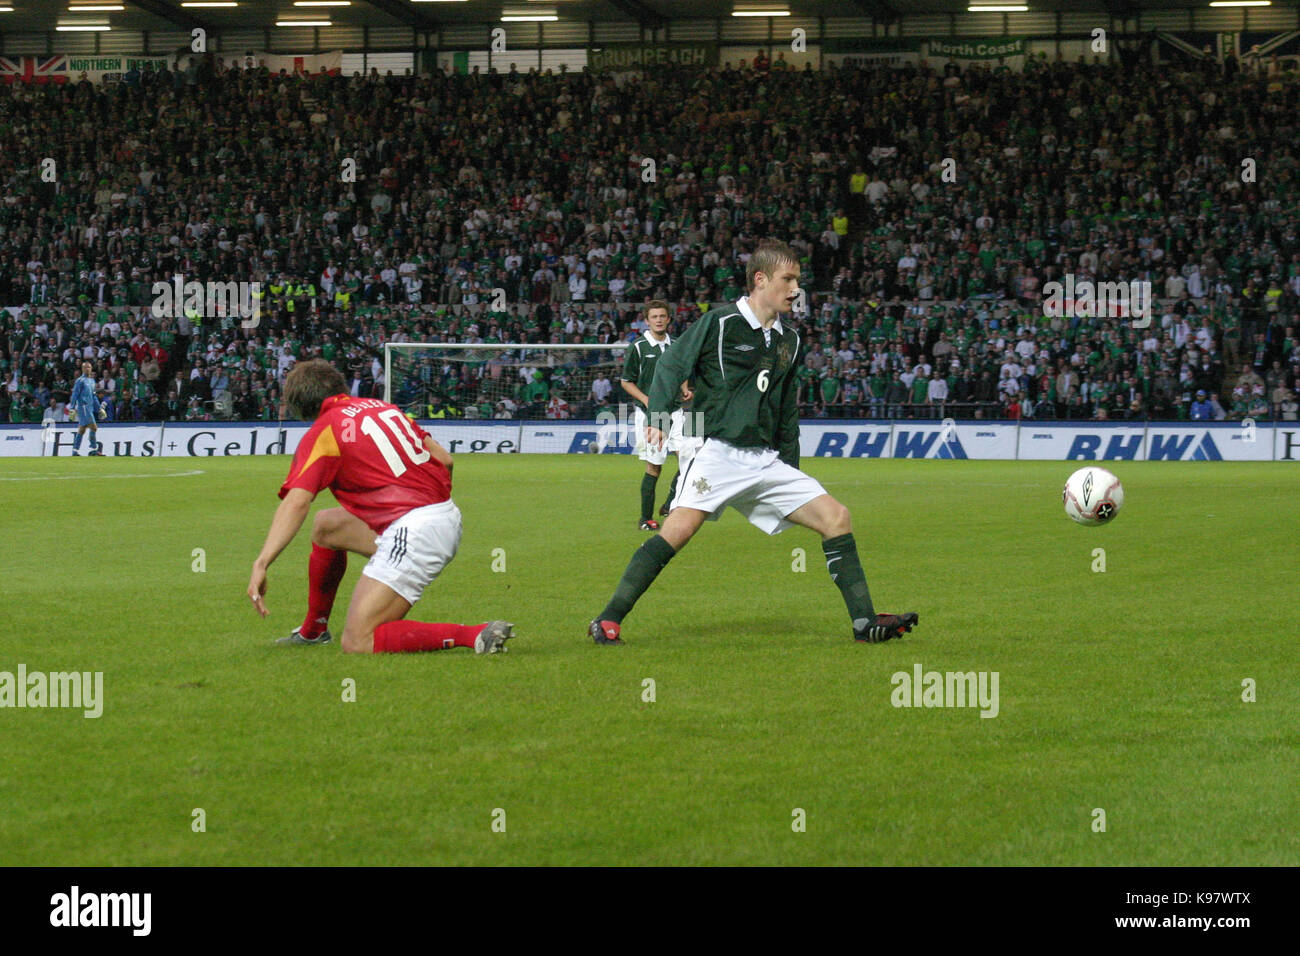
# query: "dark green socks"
{"points": [[644, 567], [648, 483], [846, 571]]}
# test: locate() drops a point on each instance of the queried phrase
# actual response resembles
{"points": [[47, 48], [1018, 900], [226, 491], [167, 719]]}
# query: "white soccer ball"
{"points": [[1092, 495]]}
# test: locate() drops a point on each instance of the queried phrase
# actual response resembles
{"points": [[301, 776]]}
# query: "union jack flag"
{"points": [[34, 69]]}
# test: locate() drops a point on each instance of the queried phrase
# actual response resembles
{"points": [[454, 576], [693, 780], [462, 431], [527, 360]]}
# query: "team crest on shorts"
{"points": [[701, 486]]}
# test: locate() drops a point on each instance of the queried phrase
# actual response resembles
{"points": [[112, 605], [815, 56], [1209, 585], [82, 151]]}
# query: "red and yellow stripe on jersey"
{"points": [[372, 457]]}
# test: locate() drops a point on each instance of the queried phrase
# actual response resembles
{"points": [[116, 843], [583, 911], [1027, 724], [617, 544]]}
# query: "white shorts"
{"points": [[753, 481], [415, 548], [678, 442]]}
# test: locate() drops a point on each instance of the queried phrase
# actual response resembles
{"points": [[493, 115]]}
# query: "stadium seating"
{"points": [[536, 185]]}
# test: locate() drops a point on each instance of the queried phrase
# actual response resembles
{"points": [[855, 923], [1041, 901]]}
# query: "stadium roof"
{"points": [[34, 16]]}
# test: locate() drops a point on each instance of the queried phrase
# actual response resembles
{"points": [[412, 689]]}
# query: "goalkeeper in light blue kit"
{"points": [[85, 403]]}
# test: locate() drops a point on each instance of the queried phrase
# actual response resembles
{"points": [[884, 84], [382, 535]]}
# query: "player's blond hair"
{"points": [[770, 256], [307, 386]]}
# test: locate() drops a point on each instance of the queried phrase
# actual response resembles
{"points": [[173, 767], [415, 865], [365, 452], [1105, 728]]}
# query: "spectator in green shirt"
{"points": [[830, 392]]}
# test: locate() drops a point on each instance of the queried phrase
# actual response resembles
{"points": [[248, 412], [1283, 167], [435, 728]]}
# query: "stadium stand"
{"points": [[926, 296]]}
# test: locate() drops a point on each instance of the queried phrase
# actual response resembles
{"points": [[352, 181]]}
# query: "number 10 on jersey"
{"points": [[400, 428]]}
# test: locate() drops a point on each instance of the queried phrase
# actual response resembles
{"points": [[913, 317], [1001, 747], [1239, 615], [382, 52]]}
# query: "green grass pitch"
{"points": [[1119, 690]]}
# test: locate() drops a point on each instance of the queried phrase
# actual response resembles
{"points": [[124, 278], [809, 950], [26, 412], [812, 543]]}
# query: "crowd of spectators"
{"points": [[930, 207]]}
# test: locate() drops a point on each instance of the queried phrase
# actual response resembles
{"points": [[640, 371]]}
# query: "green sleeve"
{"points": [[676, 366], [632, 366], [787, 426]]}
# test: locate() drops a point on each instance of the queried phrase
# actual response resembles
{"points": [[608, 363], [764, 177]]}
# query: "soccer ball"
{"points": [[1092, 496]]}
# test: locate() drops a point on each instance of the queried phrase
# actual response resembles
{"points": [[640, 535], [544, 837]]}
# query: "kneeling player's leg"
{"points": [[650, 559], [340, 530], [409, 555], [831, 520], [375, 624], [374, 604], [334, 532]]}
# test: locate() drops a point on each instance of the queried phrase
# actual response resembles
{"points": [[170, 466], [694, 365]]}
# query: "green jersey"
{"points": [[920, 390], [642, 359], [745, 381]]}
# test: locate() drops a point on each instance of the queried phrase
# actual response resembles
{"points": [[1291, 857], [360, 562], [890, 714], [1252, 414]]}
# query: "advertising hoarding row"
{"points": [[988, 441]]}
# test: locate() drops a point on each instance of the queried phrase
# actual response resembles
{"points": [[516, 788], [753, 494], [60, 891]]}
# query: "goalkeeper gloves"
{"points": [[102, 414]]}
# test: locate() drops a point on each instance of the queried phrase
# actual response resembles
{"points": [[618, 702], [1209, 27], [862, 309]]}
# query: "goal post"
{"points": [[511, 398]]}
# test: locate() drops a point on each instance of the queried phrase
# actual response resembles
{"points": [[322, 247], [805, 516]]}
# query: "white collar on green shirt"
{"points": [[743, 305], [666, 341]]}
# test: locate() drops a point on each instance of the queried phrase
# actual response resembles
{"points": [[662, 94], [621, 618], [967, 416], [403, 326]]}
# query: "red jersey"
{"points": [[372, 457]]}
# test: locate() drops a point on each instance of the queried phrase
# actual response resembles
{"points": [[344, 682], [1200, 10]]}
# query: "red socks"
{"points": [[324, 572], [404, 637]]}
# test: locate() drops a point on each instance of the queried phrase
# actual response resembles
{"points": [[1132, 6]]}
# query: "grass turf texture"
{"points": [[1119, 690]]}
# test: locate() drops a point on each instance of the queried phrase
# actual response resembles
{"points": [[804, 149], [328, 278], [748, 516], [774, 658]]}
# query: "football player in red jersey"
{"points": [[392, 481]]}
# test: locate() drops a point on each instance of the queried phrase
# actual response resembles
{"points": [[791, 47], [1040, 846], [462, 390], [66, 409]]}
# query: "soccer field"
{"points": [[1119, 691]]}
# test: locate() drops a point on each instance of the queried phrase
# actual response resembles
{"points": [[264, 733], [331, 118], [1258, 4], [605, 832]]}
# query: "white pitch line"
{"points": [[168, 474]]}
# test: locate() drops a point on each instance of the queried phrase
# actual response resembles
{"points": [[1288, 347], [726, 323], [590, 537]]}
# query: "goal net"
{"points": [[511, 398]]}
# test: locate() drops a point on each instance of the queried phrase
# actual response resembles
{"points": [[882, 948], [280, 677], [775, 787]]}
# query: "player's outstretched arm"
{"points": [[289, 517]]}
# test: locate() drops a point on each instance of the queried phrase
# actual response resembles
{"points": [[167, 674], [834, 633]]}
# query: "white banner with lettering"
{"points": [[821, 438]]}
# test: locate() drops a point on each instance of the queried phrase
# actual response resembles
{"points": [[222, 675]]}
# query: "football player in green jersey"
{"points": [[742, 364]]}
